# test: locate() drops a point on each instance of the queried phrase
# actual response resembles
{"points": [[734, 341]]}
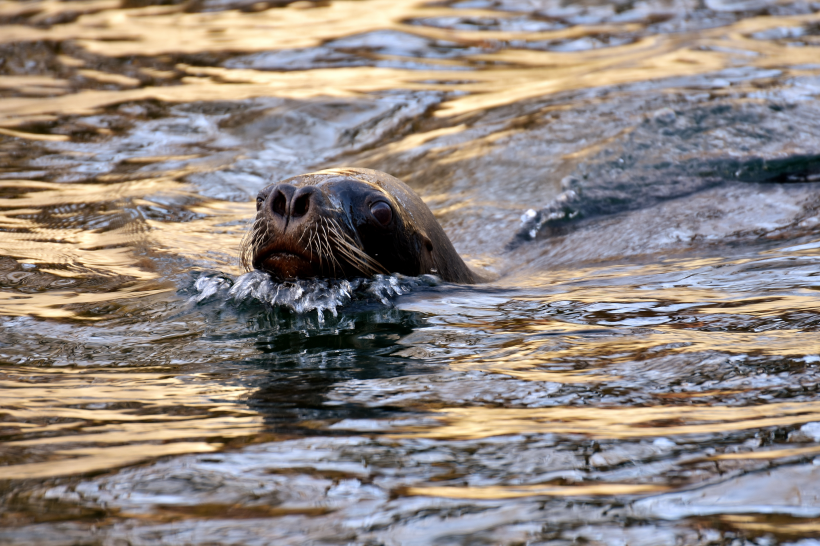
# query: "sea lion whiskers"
{"points": [[311, 248], [262, 237], [318, 244], [355, 255], [321, 237], [246, 248], [326, 244], [319, 247], [251, 242]]}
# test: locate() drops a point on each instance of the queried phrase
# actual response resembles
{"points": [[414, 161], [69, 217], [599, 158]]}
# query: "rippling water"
{"points": [[639, 179]]}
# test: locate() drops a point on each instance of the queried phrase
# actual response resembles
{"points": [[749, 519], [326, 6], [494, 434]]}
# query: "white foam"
{"points": [[307, 295]]}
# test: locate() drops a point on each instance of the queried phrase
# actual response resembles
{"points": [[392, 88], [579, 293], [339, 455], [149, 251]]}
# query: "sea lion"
{"points": [[344, 223]]}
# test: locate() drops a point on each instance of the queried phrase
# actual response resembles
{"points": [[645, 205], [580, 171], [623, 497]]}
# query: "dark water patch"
{"points": [[631, 160]]}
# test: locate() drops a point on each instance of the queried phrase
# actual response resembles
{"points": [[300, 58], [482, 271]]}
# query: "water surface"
{"points": [[638, 179]]}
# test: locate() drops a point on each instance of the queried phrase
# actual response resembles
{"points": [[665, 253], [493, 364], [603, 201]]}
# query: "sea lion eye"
{"points": [[382, 212]]}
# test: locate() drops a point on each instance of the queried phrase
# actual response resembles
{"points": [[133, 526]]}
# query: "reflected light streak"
{"points": [[613, 423], [779, 526], [97, 459], [153, 414], [519, 491]]}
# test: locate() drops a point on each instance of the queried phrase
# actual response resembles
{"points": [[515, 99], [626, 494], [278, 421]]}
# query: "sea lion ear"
{"points": [[426, 258], [428, 244]]}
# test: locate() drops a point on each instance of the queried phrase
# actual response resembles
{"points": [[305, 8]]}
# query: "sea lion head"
{"points": [[345, 223]]}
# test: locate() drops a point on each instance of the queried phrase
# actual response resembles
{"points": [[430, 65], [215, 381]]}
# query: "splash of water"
{"points": [[303, 296]]}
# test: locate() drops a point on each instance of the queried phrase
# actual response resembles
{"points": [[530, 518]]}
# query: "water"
{"points": [[638, 179]]}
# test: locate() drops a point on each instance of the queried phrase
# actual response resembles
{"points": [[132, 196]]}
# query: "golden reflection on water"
{"points": [[156, 413], [519, 491], [545, 346], [145, 414], [506, 76], [50, 305], [770, 306], [207, 237], [533, 359], [530, 353], [773, 524], [612, 423], [64, 246], [85, 460]]}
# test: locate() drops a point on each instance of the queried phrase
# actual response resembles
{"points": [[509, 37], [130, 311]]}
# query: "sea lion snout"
{"points": [[287, 213], [287, 204]]}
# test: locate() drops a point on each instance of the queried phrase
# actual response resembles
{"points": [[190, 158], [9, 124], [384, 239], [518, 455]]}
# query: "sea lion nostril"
{"points": [[301, 205], [280, 204]]}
